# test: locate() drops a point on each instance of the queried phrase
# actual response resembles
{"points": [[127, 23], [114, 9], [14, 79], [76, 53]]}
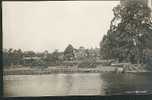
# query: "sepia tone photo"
{"points": [[77, 48]]}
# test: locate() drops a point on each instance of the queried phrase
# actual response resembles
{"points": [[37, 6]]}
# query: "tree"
{"points": [[69, 53], [6, 60], [12, 57], [20, 56], [55, 56], [129, 34]]}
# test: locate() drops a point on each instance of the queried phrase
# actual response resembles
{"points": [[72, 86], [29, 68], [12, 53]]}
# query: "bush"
{"points": [[88, 63]]}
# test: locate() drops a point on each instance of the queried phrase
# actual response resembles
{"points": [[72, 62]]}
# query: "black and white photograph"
{"points": [[77, 48]]}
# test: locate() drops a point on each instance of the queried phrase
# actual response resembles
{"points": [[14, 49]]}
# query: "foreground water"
{"points": [[78, 84]]}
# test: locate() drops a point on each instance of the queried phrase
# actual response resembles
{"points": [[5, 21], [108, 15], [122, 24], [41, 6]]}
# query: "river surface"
{"points": [[78, 84]]}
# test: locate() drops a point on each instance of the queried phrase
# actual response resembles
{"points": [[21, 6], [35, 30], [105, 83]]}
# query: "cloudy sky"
{"points": [[53, 25]]}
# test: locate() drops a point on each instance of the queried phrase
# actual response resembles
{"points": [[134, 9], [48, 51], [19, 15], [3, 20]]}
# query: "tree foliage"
{"points": [[69, 53], [130, 33]]}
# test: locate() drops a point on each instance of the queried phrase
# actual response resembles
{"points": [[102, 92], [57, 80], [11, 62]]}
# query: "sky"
{"points": [[51, 25]]}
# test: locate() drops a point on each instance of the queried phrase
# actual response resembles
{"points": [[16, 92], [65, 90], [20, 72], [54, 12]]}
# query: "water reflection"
{"points": [[127, 83], [76, 84]]}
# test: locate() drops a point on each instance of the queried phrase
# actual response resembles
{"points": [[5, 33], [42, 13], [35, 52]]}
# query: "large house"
{"points": [[83, 53], [80, 53]]}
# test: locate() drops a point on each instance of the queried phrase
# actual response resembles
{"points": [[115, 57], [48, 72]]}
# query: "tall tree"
{"points": [[55, 56], [69, 53], [129, 34]]}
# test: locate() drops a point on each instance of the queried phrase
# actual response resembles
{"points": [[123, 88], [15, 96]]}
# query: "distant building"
{"points": [[83, 53], [31, 60], [80, 53]]}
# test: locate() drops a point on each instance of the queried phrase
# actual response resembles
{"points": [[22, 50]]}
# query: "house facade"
{"points": [[83, 53]]}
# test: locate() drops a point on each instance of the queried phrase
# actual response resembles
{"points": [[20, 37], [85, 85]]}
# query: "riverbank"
{"points": [[56, 69], [64, 69]]}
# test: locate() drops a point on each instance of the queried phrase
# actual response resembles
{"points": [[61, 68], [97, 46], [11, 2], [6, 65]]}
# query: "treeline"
{"points": [[70, 56], [31, 58]]}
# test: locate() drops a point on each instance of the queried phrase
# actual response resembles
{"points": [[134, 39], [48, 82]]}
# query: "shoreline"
{"points": [[52, 72], [57, 73], [55, 69], [64, 72], [28, 70], [74, 73]]}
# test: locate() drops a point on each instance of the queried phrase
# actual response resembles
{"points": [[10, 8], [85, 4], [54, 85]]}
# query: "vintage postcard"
{"points": [[77, 48]]}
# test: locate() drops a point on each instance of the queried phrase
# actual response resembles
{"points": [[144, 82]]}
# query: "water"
{"points": [[77, 84]]}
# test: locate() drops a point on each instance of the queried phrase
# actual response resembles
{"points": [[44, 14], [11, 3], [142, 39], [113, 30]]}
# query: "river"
{"points": [[77, 84]]}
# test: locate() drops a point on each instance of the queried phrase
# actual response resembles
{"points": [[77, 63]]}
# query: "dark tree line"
{"points": [[19, 57], [70, 56], [130, 33], [12, 57]]}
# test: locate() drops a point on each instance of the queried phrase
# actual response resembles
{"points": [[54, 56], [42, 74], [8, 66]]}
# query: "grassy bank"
{"points": [[56, 69], [28, 70]]}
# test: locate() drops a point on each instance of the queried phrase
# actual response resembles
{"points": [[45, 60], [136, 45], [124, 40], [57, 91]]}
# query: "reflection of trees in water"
{"points": [[121, 83], [77, 84], [69, 80]]}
